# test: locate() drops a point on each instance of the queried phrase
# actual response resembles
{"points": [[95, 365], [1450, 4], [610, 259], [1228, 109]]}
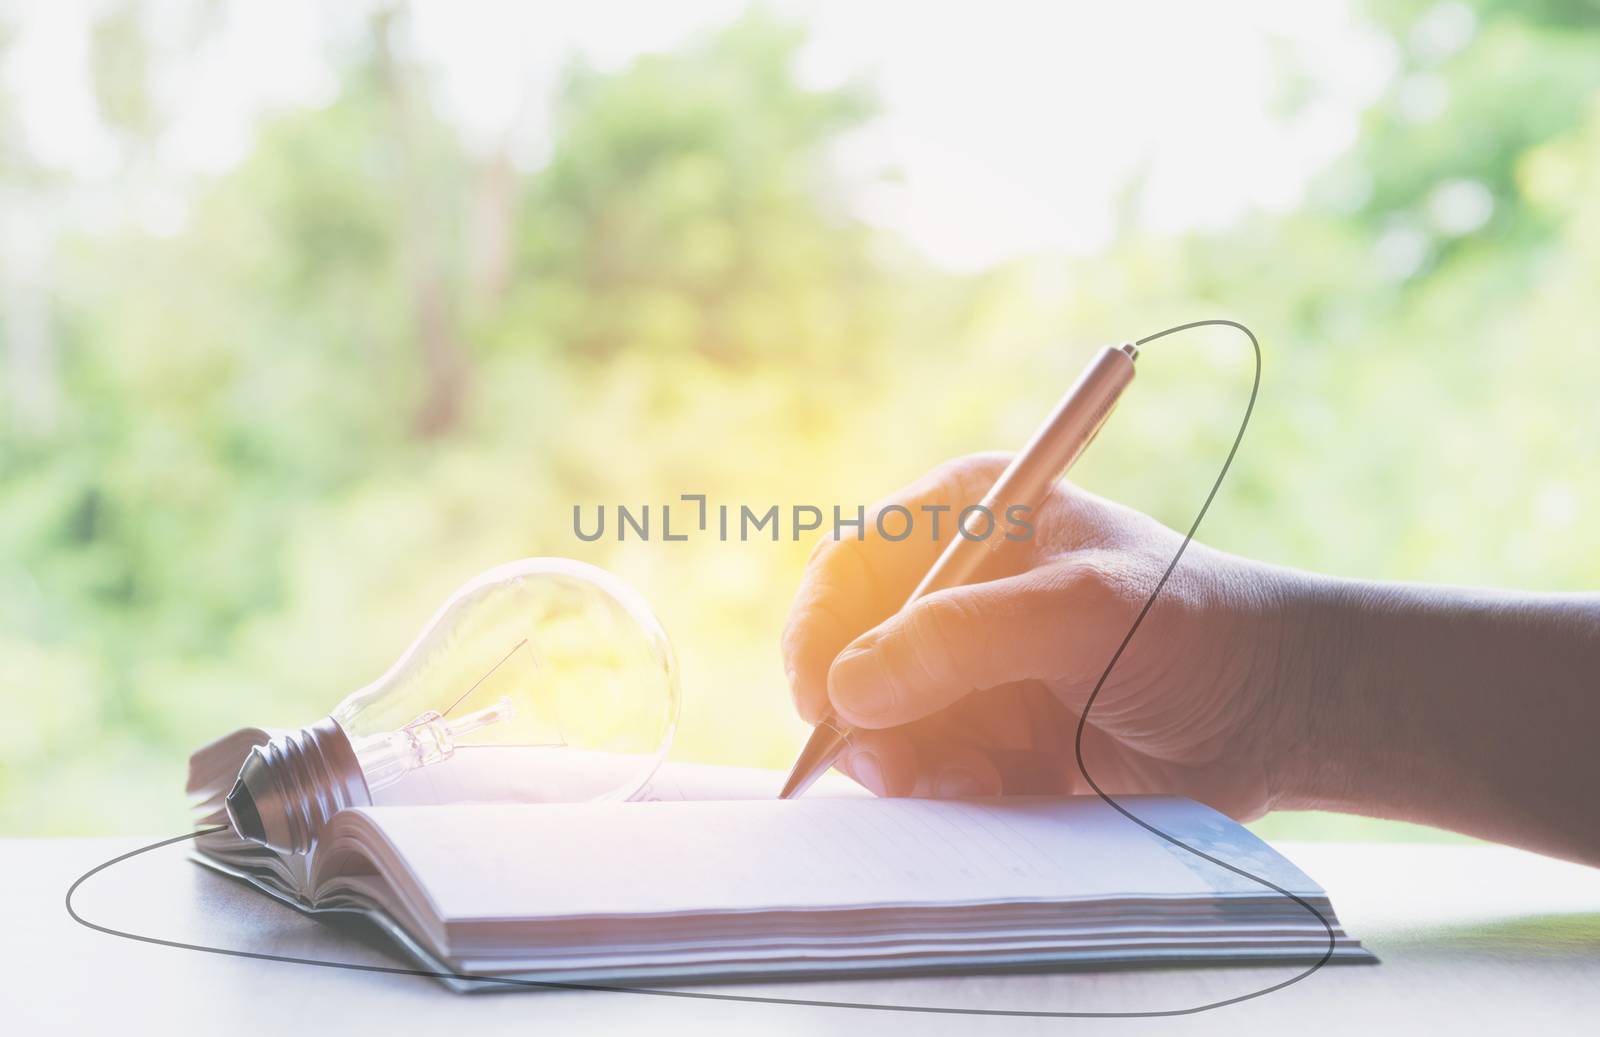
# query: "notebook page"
{"points": [[680, 781], [521, 774], [489, 862]]}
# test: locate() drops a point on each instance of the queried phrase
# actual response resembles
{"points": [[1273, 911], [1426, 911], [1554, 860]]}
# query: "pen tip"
{"points": [[821, 749], [792, 786]]}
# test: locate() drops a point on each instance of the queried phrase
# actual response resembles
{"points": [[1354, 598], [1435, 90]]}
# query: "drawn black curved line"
{"points": [[1083, 720]]}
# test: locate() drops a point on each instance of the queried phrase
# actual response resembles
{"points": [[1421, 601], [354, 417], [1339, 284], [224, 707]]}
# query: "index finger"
{"points": [[855, 581]]}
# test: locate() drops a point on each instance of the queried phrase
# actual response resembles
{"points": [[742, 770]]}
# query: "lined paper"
{"points": [[567, 861]]}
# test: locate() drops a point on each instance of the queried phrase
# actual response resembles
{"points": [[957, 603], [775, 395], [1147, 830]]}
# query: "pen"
{"points": [[1059, 442]]}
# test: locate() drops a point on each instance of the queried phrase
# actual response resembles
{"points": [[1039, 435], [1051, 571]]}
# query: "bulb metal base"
{"points": [[290, 787]]}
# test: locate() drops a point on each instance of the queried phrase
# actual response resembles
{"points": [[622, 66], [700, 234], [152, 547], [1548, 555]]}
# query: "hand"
{"points": [[977, 690]]}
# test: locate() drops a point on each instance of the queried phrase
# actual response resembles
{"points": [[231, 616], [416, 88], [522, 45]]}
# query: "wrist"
{"points": [[1365, 733], [1311, 684]]}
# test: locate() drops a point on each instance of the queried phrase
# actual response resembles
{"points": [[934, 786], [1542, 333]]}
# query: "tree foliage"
{"points": [[372, 362]]}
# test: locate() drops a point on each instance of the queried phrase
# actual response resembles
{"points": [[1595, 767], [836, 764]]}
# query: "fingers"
{"points": [[938, 760], [882, 762], [961, 772], [1046, 624], [852, 583], [920, 762]]}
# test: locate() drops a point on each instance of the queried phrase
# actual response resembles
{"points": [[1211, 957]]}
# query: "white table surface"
{"points": [[1474, 939]]}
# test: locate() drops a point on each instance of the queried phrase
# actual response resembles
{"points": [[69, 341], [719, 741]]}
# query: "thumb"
{"points": [[952, 642]]}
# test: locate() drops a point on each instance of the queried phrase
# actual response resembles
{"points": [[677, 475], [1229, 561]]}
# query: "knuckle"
{"points": [[972, 476], [1101, 582], [793, 637], [849, 569], [984, 463], [813, 623], [824, 546], [818, 546], [838, 567], [801, 618]]}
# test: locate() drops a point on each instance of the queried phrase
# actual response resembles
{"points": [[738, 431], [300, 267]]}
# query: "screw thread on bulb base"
{"points": [[290, 787]]}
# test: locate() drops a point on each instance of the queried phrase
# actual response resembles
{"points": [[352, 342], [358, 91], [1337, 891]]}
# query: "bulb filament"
{"points": [[426, 740]]}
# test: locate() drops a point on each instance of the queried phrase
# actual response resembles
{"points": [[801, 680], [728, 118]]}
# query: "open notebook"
{"points": [[711, 878]]}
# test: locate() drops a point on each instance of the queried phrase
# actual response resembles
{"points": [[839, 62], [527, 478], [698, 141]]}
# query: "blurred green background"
{"points": [[246, 449]]}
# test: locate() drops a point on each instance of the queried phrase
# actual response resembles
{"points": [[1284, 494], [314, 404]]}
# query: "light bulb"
{"points": [[544, 679]]}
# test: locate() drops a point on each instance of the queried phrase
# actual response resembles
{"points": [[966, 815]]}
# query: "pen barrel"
{"points": [[1064, 436], [1057, 444]]}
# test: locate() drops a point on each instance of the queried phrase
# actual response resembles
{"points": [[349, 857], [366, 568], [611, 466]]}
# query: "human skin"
{"points": [[1250, 687]]}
